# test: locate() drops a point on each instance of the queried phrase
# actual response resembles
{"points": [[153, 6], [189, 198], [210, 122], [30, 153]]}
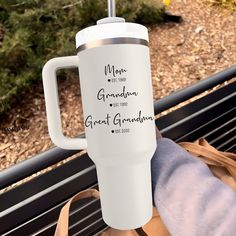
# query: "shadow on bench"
{"points": [[33, 207]]}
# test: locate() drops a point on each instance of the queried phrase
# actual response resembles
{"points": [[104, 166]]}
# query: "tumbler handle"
{"points": [[52, 105]]}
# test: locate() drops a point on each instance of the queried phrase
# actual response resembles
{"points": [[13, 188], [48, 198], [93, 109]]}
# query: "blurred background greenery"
{"points": [[33, 31]]}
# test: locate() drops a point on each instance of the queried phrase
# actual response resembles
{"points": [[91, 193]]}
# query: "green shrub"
{"points": [[33, 31], [150, 12]]}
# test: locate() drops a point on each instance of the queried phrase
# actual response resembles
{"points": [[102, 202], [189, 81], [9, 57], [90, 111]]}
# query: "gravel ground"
{"points": [[181, 54]]}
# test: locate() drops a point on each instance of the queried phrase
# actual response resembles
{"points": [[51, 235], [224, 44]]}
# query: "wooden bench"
{"points": [[32, 208]]}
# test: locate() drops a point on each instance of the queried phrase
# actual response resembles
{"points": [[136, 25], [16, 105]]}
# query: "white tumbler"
{"points": [[115, 78]]}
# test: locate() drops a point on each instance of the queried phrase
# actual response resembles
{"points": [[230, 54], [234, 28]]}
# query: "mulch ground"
{"points": [[181, 55]]}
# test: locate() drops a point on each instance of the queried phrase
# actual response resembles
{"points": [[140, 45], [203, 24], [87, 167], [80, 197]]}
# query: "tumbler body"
{"points": [[117, 99]]}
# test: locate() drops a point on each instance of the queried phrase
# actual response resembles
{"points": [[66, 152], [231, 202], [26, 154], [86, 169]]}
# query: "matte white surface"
{"points": [[111, 30], [110, 20], [122, 157], [52, 105], [103, 145], [126, 196]]}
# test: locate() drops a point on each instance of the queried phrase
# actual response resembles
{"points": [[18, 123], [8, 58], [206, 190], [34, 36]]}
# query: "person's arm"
{"points": [[189, 199]]}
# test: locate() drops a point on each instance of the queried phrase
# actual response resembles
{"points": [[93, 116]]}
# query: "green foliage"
{"points": [[33, 31], [150, 12]]}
